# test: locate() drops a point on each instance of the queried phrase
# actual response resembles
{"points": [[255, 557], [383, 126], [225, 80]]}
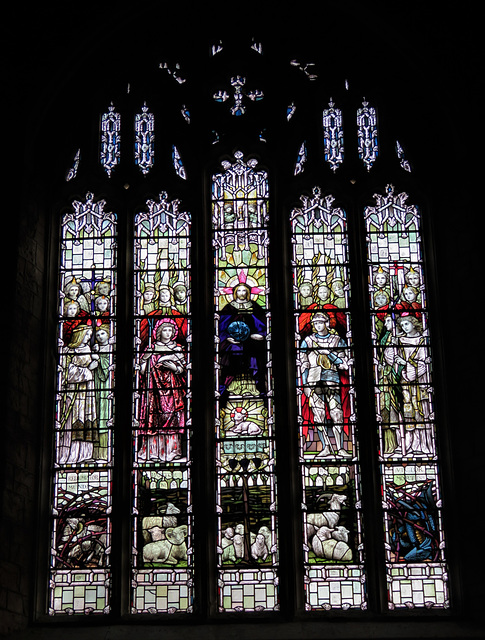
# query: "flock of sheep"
{"points": [[165, 539]]}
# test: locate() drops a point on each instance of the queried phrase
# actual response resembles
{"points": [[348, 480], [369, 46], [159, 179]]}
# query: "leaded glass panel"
{"points": [[162, 498], [144, 140], [239, 95], [72, 173], [80, 568], [178, 164], [402, 157], [415, 550], [110, 139], [327, 421], [333, 136], [367, 134], [301, 159], [245, 450]]}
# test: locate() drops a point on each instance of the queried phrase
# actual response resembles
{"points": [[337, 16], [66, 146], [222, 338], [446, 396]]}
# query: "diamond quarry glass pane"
{"points": [[327, 421], [404, 401], [162, 557], [83, 436], [245, 450]]}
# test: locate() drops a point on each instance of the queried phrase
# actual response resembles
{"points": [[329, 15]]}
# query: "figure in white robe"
{"points": [[411, 359], [78, 421]]}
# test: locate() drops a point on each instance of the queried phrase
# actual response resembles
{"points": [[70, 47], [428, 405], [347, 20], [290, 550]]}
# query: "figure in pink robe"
{"points": [[162, 395]]}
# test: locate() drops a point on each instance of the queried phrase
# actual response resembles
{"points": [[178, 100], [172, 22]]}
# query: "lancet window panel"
{"points": [[403, 379], [162, 560], [327, 420], [80, 561], [244, 411]]}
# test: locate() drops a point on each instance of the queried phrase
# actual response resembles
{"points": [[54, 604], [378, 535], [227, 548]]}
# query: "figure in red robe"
{"points": [[324, 375], [163, 388]]}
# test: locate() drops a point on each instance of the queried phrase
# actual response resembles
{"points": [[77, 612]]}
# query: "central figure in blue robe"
{"points": [[242, 346]]}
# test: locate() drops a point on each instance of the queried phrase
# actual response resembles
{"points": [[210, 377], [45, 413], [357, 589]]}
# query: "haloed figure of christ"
{"points": [[242, 346]]}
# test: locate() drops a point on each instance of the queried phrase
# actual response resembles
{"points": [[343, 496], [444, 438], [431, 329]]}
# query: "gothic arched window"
{"points": [[244, 410]]}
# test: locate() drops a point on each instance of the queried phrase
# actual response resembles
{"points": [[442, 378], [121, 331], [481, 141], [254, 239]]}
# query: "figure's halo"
{"points": [[242, 278]]}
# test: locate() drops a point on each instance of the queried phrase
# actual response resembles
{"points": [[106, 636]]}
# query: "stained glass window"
{"points": [[409, 472], [71, 174], [110, 140], [239, 94], [333, 136], [367, 134], [402, 157], [327, 421], [245, 250], [301, 159], [144, 139], [245, 429], [162, 499], [178, 165], [80, 571]]}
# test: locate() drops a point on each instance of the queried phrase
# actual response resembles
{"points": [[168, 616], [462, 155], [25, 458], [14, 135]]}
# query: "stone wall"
{"points": [[23, 341]]}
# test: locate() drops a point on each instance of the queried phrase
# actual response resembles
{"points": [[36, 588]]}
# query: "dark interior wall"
{"points": [[56, 60]]}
